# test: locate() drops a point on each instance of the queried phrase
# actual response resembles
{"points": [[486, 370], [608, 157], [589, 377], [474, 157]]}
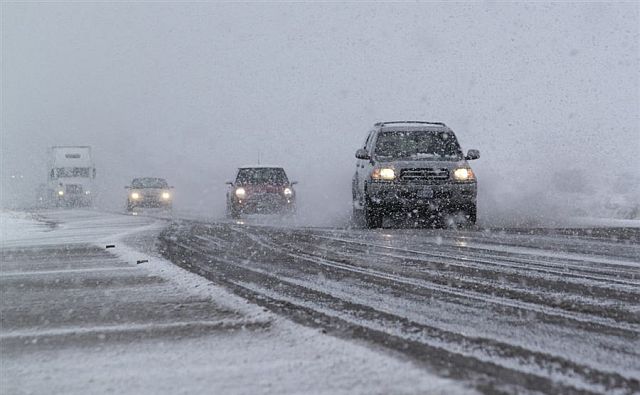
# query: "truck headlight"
{"points": [[60, 193], [241, 193], [288, 192], [135, 195], [166, 195], [384, 173], [463, 174]]}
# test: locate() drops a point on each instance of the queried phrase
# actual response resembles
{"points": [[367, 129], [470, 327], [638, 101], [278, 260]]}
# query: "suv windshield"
{"points": [[417, 145], [149, 183], [262, 176]]}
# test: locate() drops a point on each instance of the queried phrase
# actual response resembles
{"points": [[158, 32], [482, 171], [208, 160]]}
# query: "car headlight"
{"points": [[60, 193], [384, 173], [241, 193], [135, 195], [166, 195], [288, 192], [463, 174]]}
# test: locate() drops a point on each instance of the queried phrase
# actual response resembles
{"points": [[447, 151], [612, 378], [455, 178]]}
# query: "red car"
{"points": [[261, 190]]}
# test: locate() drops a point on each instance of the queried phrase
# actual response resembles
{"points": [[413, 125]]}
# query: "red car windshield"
{"points": [[267, 175]]}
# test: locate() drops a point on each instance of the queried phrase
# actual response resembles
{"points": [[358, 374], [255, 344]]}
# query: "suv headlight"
{"points": [[241, 193], [463, 174], [384, 173], [287, 192], [135, 195]]}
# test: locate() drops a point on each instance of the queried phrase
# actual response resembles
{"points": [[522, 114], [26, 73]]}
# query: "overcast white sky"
{"points": [[191, 91]]}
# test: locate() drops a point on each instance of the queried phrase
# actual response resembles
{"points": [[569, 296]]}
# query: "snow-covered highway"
{"points": [[77, 318], [551, 310], [385, 311]]}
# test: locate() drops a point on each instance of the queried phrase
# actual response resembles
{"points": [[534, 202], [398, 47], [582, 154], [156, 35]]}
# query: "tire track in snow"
{"points": [[273, 270]]}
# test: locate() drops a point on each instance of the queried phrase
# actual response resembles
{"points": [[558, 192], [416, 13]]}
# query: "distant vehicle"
{"points": [[71, 177], [149, 192], [413, 167], [261, 190]]}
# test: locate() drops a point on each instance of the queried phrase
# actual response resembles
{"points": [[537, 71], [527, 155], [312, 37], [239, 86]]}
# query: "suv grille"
{"points": [[73, 188], [425, 174]]}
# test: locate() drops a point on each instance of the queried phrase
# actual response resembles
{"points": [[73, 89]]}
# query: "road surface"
{"points": [[554, 311], [77, 317]]}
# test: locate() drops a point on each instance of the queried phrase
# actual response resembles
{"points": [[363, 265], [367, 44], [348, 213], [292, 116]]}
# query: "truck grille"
{"points": [[425, 174], [73, 189]]}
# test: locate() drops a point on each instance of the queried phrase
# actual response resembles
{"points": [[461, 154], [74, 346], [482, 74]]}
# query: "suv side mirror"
{"points": [[229, 182], [294, 182], [171, 187], [127, 187], [362, 154], [473, 154]]}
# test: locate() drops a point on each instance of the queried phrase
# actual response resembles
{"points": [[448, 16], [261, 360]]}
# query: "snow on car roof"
{"points": [[147, 177], [260, 167], [426, 128]]}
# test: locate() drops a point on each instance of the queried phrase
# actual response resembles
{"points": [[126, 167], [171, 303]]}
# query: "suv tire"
{"points": [[357, 217], [372, 217], [232, 212], [471, 213]]}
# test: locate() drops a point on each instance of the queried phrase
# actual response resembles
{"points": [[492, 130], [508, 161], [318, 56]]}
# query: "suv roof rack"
{"points": [[419, 122]]}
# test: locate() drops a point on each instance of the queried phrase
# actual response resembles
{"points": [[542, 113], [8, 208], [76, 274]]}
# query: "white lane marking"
{"points": [[63, 271], [104, 329]]}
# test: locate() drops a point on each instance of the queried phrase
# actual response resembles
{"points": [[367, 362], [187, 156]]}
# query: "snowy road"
{"points": [[77, 318], [557, 311]]}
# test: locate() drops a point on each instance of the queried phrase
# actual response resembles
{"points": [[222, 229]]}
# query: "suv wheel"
{"points": [[233, 213], [471, 215], [372, 217], [356, 217]]}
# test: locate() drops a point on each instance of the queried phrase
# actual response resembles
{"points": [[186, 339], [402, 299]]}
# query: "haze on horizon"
{"points": [[549, 93]]}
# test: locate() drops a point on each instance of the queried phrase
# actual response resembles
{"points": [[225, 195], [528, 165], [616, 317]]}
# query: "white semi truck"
{"points": [[71, 176]]}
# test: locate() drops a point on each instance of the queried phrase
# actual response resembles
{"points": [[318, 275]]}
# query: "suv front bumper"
{"points": [[400, 195]]}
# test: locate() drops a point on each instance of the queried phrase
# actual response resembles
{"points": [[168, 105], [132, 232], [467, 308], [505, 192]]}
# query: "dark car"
{"points": [[413, 167], [261, 190], [149, 192]]}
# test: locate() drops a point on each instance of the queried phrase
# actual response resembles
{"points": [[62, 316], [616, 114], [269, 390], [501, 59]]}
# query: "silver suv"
{"points": [[414, 167]]}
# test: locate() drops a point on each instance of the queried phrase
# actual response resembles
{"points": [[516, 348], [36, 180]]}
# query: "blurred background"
{"points": [[549, 93]]}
